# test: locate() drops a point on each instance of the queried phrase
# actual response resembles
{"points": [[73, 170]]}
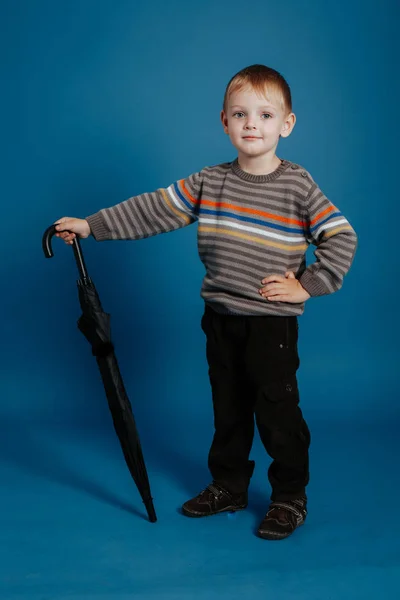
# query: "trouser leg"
{"points": [[272, 361], [233, 402]]}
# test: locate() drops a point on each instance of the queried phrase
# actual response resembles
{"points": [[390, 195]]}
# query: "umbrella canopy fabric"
{"points": [[94, 324]]}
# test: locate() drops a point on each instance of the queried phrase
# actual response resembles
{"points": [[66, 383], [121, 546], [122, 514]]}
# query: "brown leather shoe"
{"points": [[213, 500], [283, 518]]}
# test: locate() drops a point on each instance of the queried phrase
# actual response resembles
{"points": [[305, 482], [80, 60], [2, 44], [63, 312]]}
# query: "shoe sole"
{"points": [[273, 535], [195, 514]]}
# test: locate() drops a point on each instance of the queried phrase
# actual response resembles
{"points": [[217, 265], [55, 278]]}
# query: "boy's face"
{"points": [[255, 124]]}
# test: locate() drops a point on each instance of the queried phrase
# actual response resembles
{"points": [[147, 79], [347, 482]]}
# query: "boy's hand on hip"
{"points": [[283, 289], [68, 228]]}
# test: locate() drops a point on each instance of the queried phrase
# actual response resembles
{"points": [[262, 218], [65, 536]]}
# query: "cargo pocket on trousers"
{"points": [[283, 390]]}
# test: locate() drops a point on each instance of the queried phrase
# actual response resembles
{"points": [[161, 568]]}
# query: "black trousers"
{"points": [[252, 368]]}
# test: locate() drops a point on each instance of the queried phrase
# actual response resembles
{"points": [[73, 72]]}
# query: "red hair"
{"points": [[264, 81]]}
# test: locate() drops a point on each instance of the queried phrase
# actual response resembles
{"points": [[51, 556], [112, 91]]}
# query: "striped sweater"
{"points": [[249, 227]]}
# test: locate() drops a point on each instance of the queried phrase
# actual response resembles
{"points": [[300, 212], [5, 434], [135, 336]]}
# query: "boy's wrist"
{"points": [[88, 229], [306, 292]]}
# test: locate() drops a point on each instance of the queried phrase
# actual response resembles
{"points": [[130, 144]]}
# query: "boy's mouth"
{"points": [[251, 137]]}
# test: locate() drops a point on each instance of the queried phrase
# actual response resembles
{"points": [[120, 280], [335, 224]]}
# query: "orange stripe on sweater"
{"points": [[186, 192], [241, 209], [253, 211], [322, 214]]}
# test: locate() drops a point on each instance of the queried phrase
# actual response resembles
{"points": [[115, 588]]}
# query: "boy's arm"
{"points": [[336, 243], [150, 213]]}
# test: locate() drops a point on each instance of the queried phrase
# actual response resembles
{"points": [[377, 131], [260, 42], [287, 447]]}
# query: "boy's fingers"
{"points": [[271, 278], [281, 298], [67, 236], [274, 286], [272, 292], [271, 287], [290, 275], [63, 226], [62, 220]]}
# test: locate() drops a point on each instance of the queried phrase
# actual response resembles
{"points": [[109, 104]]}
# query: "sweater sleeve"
{"points": [[335, 241], [151, 213]]}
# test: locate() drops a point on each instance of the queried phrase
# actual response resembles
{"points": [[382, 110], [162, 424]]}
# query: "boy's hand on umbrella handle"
{"points": [[68, 228]]}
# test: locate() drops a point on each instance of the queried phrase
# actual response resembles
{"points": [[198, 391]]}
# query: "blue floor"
{"points": [[73, 525]]}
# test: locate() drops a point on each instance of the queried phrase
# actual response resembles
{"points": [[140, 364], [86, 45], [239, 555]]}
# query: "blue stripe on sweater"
{"points": [[270, 224], [205, 211], [182, 197]]}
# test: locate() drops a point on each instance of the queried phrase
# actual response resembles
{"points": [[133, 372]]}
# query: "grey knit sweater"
{"points": [[249, 227]]}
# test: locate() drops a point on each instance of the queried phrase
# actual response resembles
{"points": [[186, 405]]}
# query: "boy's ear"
{"points": [[224, 121], [288, 125]]}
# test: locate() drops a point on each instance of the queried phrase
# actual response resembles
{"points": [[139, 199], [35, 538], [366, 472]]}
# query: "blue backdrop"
{"points": [[103, 100]]}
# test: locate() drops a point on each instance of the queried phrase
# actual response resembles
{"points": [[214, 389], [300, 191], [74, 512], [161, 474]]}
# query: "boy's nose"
{"points": [[250, 125]]}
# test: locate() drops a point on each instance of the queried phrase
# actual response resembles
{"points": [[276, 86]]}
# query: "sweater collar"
{"points": [[259, 178]]}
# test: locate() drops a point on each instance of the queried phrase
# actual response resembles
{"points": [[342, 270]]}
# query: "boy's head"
{"points": [[257, 110]]}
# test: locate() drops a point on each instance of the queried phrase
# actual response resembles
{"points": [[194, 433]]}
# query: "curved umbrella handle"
{"points": [[76, 246]]}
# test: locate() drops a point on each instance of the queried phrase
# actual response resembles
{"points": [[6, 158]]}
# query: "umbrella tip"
{"points": [[152, 514], [148, 502]]}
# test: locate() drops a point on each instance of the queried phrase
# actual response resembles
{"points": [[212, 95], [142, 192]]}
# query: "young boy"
{"points": [[257, 215]]}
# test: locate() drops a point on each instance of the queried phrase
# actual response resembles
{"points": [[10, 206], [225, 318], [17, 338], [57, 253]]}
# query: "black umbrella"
{"points": [[94, 323]]}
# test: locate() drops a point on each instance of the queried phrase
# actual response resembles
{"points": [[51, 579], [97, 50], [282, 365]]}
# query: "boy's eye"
{"points": [[266, 115], [238, 114]]}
